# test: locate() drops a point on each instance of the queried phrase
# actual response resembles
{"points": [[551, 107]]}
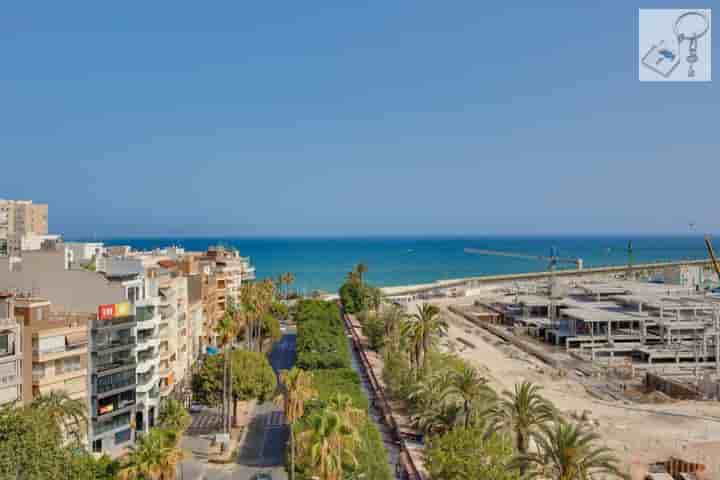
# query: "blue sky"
{"points": [[314, 118]]}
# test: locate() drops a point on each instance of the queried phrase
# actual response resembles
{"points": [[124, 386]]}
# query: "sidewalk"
{"points": [[237, 435]]}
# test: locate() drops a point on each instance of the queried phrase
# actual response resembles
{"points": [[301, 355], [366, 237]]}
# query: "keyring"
{"points": [[682, 36], [692, 57]]}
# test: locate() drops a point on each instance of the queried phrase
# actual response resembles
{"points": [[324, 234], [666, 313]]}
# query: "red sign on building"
{"points": [[106, 312]]}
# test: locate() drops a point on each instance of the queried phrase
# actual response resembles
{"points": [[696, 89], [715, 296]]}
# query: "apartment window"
{"points": [[52, 344], [38, 370], [4, 344], [39, 314], [71, 364]]}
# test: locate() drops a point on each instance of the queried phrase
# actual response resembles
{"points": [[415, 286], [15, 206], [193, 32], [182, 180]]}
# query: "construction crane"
{"points": [[553, 260], [708, 244], [628, 275]]}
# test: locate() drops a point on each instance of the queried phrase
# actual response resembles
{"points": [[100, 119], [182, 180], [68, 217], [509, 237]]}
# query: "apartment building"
{"points": [[23, 225], [59, 345], [11, 353], [109, 306]]}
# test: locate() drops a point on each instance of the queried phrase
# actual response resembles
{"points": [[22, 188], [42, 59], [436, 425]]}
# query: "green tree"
{"points": [[422, 333], [31, 444], [154, 456], [464, 454], [297, 389], [373, 329], [329, 444], [68, 414], [253, 378], [227, 331], [471, 387], [270, 330], [568, 452], [173, 416], [521, 414], [361, 269], [280, 311], [392, 317]]}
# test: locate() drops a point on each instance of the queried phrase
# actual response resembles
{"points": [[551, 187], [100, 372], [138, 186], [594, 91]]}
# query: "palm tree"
{"points": [[521, 413], [342, 403], [567, 452], [392, 320], [227, 330], [330, 444], [287, 279], [361, 269], [470, 386], [437, 418], [69, 415], [143, 459], [298, 389], [155, 455], [174, 416], [423, 331]]}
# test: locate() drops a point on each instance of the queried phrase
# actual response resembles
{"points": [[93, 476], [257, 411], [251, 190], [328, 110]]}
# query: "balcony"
{"points": [[147, 361], [43, 380], [115, 366], [115, 324], [112, 410], [113, 388], [118, 343], [61, 352], [147, 382], [9, 380], [121, 421], [148, 324], [8, 324]]}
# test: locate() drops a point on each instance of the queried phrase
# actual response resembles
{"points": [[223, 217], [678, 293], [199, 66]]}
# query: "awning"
{"points": [[212, 350], [74, 339]]}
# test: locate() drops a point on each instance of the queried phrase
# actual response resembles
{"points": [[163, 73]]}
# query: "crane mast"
{"points": [[713, 258]]}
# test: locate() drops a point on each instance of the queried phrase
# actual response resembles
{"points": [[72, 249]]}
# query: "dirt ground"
{"points": [[638, 433]]}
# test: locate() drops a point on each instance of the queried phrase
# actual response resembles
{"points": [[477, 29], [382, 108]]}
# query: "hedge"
{"points": [[323, 348]]}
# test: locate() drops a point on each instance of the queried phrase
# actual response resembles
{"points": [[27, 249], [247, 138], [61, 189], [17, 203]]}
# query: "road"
{"points": [[263, 448]]}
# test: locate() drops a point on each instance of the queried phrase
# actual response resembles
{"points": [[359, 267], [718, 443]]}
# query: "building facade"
{"points": [[11, 353], [22, 223], [57, 350]]}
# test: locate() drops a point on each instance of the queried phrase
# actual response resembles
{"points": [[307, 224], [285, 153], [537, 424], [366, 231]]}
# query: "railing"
{"points": [[148, 357], [144, 378], [408, 464], [118, 342], [64, 349], [125, 322], [115, 423], [114, 386], [128, 362]]}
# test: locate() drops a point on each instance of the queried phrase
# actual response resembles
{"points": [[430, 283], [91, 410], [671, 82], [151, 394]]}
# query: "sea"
{"points": [[323, 263]]}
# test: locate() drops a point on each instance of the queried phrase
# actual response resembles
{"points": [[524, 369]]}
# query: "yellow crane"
{"points": [[713, 258]]}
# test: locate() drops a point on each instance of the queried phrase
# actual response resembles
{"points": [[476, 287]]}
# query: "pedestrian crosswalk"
{"points": [[205, 422]]}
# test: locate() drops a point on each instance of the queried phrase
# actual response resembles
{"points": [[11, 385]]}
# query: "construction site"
{"points": [[634, 353]]}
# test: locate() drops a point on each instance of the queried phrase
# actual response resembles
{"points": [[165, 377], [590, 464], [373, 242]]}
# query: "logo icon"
{"points": [[675, 45]]}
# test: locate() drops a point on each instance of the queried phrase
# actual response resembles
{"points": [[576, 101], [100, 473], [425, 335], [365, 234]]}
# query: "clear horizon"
{"points": [[323, 120]]}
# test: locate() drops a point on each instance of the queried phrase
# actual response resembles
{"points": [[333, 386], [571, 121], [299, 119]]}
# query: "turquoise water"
{"points": [[322, 263]]}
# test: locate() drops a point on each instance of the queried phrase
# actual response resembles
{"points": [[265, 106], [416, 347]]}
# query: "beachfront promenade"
{"points": [[514, 277]]}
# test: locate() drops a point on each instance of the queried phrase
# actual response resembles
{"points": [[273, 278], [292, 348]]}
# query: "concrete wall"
{"points": [[670, 387]]}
